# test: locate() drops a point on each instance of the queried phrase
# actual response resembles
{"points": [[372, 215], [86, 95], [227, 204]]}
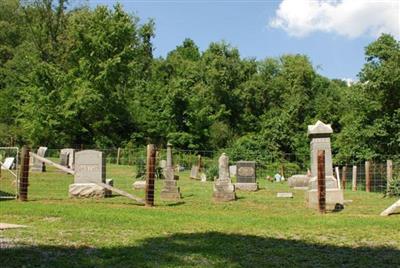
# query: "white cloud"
{"points": [[351, 18]]}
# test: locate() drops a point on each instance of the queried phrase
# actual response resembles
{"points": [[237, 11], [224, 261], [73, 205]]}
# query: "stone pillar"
{"points": [[320, 140], [224, 190], [170, 190]]}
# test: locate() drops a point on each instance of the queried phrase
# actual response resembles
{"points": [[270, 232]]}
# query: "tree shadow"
{"points": [[209, 249]]}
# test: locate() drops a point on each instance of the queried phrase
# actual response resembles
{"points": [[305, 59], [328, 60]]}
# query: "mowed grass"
{"points": [[257, 230]]}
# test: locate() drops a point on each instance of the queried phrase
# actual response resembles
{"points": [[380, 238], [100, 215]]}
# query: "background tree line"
{"points": [[75, 75]]}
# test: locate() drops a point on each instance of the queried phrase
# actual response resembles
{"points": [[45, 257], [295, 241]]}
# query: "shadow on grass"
{"points": [[210, 249]]}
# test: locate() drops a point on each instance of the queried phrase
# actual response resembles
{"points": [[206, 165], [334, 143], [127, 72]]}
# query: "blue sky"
{"points": [[332, 35]]}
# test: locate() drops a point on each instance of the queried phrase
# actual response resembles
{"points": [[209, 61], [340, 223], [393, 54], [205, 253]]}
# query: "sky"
{"points": [[332, 33]]}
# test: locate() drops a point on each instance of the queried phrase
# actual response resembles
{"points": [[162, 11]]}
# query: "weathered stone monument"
{"points": [[224, 190], [170, 190], [320, 140], [67, 158], [246, 176], [90, 169], [38, 165]]}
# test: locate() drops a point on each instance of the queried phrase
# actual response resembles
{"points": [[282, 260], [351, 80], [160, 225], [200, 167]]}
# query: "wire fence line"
{"points": [[126, 166]]}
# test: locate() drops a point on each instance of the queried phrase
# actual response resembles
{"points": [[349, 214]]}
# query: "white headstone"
{"points": [[9, 163]]}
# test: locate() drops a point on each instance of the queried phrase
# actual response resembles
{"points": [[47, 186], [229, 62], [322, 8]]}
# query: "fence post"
{"points": [[367, 177], [389, 173], [354, 182], [150, 174], [321, 181], [118, 155], [344, 171], [24, 175]]}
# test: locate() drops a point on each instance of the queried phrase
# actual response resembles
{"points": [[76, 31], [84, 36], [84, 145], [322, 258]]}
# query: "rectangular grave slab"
{"points": [[89, 167], [246, 171], [246, 176], [284, 195]]}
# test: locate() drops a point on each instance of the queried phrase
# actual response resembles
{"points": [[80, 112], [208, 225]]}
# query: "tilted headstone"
{"points": [[9, 163], [224, 190], [246, 176], [37, 164], [320, 140], [170, 190], [90, 168]]}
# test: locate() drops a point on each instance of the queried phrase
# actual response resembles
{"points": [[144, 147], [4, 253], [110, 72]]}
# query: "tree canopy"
{"points": [[71, 76]]}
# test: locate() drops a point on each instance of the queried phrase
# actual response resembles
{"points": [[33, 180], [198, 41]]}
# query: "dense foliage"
{"points": [[72, 76]]}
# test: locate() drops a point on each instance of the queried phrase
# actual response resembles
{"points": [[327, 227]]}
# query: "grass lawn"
{"points": [[257, 230]]}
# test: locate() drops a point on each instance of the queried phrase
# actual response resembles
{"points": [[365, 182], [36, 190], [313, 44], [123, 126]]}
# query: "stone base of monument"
{"points": [[170, 191], [246, 186], [299, 181], [334, 199], [224, 191], [139, 185], [87, 190]]}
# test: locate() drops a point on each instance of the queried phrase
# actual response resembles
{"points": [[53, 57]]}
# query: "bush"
{"points": [[211, 172], [394, 188]]}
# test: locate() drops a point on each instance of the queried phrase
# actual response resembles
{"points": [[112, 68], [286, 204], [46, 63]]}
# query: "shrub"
{"points": [[394, 188]]}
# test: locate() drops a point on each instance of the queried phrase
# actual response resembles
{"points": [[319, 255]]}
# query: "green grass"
{"points": [[257, 230]]}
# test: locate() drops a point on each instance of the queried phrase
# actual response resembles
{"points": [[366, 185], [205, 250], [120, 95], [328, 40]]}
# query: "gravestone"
{"points": [[299, 180], [37, 164], [246, 176], [170, 190], [232, 170], [284, 195], [320, 140], [194, 172], [9, 163], [67, 157], [90, 168], [224, 190]]}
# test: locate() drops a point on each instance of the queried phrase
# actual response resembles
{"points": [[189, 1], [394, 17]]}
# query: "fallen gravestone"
{"points": [[320, 140], [284, 195], [224, 190], [392, 209], [246, 176]]}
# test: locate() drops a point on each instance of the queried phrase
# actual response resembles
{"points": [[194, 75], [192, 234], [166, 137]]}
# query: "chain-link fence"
{"points": [[127, 166], [9, 163]]}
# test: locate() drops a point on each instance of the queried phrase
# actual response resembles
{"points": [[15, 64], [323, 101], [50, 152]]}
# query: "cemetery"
{"points": [[199, 133], [77, 202]]}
